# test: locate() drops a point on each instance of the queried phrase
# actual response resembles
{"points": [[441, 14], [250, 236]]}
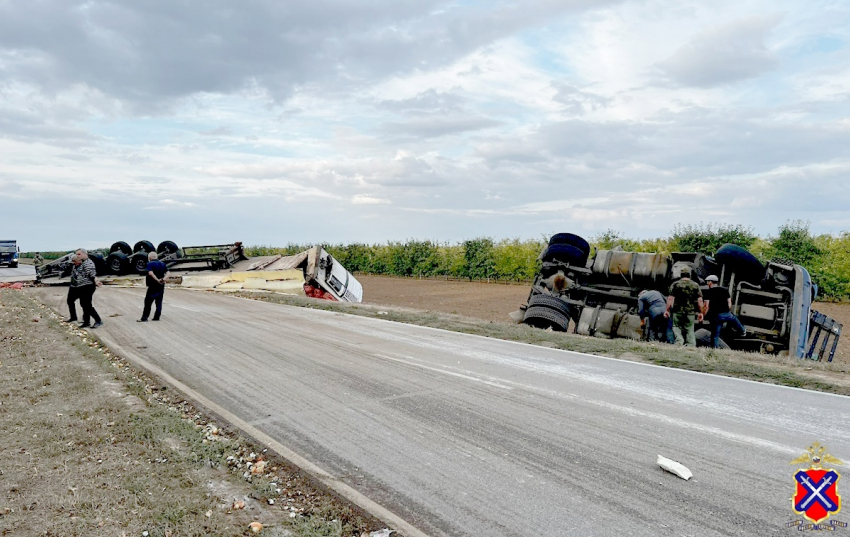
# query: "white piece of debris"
{"points": [[382, 533], [674, 468]]}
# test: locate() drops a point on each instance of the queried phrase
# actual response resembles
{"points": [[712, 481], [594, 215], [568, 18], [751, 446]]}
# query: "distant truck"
{"points": [[9, 253], [599, 294]]}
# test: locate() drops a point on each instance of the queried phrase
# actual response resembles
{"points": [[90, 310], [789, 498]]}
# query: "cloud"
{"points": [[434, 127], [452, 119], [363, 199], [724, 54]]}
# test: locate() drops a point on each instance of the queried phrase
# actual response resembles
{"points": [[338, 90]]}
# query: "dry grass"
{"points": [[92, 447], [826, 377]]}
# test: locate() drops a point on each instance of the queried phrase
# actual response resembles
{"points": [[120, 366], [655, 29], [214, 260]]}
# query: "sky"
{"points": [[272, 122]]}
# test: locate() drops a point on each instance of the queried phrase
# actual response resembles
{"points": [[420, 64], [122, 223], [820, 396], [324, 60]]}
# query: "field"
{"points": [[493, 302]]}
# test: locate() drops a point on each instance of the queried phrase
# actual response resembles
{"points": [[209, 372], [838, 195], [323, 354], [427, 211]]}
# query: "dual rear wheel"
{"points": [[125, 260]]}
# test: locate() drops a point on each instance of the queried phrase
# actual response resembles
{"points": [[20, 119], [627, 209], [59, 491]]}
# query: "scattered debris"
{"points": [[674, 467], [256, 527], [238, 505], [382, 533]]}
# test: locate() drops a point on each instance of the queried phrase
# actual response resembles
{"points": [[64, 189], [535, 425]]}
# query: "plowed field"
{"points": [[493, 302]]}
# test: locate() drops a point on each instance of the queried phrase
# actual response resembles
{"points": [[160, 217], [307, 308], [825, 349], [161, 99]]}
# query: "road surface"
{"points": [[21, 273], [462, 435]]}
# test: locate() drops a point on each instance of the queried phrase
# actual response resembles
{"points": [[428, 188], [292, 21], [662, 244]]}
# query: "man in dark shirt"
{"points": [[685, 306], [155, 279], [718, 306]]}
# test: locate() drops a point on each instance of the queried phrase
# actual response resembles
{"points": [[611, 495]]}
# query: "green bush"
{"points": [[515, 259], [827, 257], [479, 258], [708, 238], [796, 243]]}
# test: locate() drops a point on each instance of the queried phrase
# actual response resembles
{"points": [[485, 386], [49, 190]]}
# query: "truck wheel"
{"points": [[572, 240], [99, 264], [143, 246], [13, 264], [565, 253], [738, 260], [703, 337], [122, 247], [168, 248], [139, 263], [542, 317], [551, 302], [116, 263]]}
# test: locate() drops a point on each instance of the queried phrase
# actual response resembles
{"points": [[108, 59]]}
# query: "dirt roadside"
{"points": [[492, 302], [93, 447]]}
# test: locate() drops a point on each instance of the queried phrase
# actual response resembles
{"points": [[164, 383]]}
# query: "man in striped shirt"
{"points": [[84, 282]]}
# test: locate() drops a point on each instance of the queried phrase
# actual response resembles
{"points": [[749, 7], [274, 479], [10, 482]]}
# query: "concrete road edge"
{"points": [[363, 502]]}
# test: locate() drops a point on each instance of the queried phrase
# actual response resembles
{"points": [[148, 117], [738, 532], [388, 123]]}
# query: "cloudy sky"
{"points": [[272, 122]]}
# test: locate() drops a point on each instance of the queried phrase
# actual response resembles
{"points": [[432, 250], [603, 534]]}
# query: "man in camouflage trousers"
{"points": [[685, 306]]}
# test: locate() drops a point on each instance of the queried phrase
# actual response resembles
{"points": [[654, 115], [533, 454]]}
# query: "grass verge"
{"points": [[92, 446], [785, 371]]}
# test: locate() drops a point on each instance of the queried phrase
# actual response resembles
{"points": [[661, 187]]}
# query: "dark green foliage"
{"points": [[479, 261], [796, 243], [708, 238]]}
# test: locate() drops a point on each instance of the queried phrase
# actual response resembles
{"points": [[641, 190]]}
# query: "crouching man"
{"points": [[651, 308]]}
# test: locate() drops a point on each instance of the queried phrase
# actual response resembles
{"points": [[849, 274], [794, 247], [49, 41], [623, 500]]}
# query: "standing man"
{"points": [[652, 305], [37, 260], [84, 279], [157, 274], [72, 292], [685, 306], [718, 308]]}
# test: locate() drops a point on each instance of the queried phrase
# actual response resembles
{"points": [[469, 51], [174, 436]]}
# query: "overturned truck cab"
{"points": [[599, 294]]}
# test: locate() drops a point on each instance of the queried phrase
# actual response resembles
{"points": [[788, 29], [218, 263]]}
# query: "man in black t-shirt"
{"points": [[718, 306], [155, 279]]}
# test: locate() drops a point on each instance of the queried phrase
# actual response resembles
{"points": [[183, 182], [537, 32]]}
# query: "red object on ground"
{"points": [[8, 285]]}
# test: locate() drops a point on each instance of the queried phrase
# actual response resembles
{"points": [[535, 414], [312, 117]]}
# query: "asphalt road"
{"points": [[21, 273], [462, 435]]}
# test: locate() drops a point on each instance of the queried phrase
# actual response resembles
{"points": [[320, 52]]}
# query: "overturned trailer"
{"points": [[121, 260], [599, 294]]}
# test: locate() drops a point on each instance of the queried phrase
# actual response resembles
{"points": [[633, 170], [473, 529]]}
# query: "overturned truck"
{"points": [[599, 294]]}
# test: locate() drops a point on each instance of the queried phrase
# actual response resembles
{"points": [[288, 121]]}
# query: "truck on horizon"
{"points": [[9, 253]]}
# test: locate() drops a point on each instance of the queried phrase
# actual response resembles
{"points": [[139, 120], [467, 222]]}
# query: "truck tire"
{"points": [[99, 264], [143, 246], [565, 253], [139, 263], [572, 240], [551, 302], [13, 264], [542, 317], [738, 260], [122, 247], [116, 263], [168, 248], [703, 337]]}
